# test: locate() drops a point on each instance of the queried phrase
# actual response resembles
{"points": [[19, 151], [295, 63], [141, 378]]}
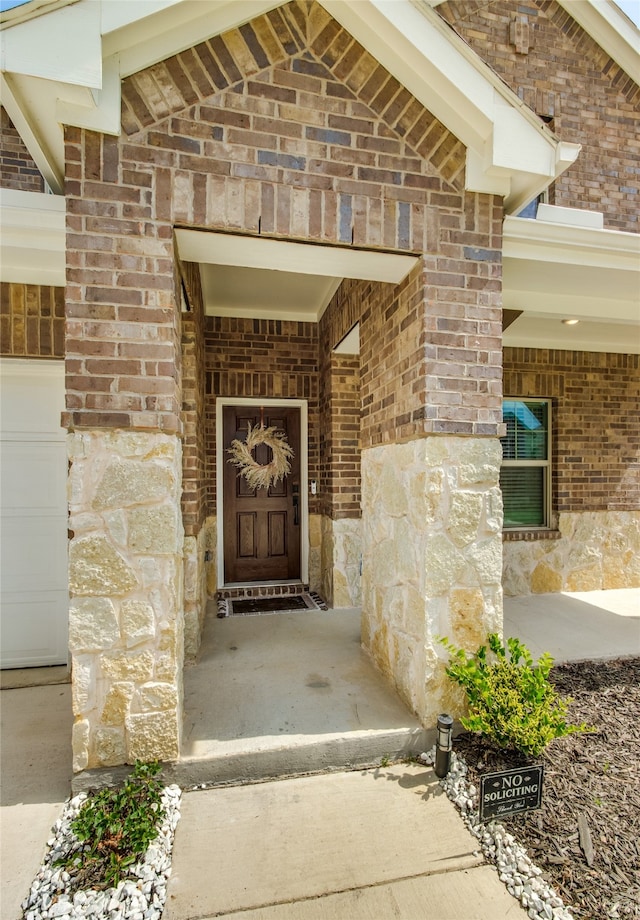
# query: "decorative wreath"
{"points": [[258, 476]]}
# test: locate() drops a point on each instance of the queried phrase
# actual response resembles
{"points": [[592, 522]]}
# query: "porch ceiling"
{"points": [[277, 279], [554, 272]]}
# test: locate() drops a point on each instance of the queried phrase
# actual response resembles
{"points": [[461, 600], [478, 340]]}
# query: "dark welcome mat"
{"points": [[242, 607]]}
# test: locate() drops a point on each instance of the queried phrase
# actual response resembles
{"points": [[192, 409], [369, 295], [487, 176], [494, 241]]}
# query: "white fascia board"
{"points": [[29, 128], [65, 46], [179, 26], [32, 244], [544, 241], [282, 255], [408, 41], [611, 29], [510, 152], [104, 113], [119, 15]]}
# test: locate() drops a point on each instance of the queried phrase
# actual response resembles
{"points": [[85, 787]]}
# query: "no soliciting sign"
{"points": [[510, 792]]}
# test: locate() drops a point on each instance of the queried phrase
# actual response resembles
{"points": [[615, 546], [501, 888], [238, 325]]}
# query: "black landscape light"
{"points": [[443, 745]]}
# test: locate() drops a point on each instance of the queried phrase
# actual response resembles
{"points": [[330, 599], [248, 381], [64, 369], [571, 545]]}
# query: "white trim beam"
{"points": [[300, 258], [32, 244]]}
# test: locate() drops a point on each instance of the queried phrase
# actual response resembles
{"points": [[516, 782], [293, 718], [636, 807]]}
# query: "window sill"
{"points": [[517, 536]]}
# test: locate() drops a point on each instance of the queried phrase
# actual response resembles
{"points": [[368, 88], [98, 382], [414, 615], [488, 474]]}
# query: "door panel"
{"points": [[261, 527]]}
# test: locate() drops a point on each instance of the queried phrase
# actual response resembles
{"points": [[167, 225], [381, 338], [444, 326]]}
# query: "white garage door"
{"points": [[33, 515]]}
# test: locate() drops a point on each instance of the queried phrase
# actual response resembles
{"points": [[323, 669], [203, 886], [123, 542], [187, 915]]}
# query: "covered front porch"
{"points": [[288, 693], [275, 695]]}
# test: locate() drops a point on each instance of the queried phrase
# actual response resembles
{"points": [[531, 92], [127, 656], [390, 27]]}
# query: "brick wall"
{"points": [[17, 168], [254, 358], [284, 127], [596, 430], [194, 489], [340, 433], [123, 329], [565, 76], [430, 347], [31, 321]]}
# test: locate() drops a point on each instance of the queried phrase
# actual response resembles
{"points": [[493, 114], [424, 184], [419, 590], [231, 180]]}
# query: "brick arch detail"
{"points": [[289, 151], [323, 49]]}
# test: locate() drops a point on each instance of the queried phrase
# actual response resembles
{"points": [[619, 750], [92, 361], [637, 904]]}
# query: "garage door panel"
{"points": [[34, 601], [33, 547], [39, 388], [36, 634], [40, 487]]}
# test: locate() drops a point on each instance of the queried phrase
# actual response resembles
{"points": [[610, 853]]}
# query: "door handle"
{"points": [[295, 497]]}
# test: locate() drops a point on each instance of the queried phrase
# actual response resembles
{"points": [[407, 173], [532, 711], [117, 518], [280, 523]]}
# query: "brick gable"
{"points": [[566, 77], [17, 167], [288, 152], [316, 49]]}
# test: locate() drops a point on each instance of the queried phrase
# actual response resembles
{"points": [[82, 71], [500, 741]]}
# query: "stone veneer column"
{"points": [[432, 549], [126, 587], [341, 561]]}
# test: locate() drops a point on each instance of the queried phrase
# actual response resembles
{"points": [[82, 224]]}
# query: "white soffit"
{"points": [[554, 271], [532, 330], [260, 293], [278, 279]]}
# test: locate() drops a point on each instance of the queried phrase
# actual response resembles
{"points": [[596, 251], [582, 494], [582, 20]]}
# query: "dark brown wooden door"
{"points": [[261, 527]]}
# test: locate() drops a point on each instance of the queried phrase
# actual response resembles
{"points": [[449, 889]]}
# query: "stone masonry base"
{"points": [[126, 629], [432, 561]]}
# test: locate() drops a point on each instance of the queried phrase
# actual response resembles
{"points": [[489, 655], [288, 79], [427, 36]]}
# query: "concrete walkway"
{"points": [[365, 845], [35, 779], [372, 844]]}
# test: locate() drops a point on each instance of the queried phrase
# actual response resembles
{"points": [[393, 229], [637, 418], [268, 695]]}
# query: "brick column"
{"points": [[431, 421], [123, 376], [340, 536]]}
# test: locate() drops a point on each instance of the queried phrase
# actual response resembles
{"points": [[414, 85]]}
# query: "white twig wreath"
{"points": [[257, 475]]}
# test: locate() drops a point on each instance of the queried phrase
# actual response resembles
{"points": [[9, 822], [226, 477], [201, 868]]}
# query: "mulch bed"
{"points": [[586, 836]]}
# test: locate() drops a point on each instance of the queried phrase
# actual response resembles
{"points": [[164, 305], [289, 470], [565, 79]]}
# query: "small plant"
{"points": [[511, 699], [385, 760], [115, 827]]}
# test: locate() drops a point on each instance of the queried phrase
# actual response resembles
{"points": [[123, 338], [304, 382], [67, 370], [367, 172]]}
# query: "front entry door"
{"points": [[261, 527]]}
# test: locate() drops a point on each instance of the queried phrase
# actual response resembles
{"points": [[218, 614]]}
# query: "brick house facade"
{"points": [[289, 129]]}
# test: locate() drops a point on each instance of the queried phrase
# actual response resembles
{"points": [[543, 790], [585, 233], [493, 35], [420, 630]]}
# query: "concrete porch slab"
{"points": [[288, 694], [576, 627]]}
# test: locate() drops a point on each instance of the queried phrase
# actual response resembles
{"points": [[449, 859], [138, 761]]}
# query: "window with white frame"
{"points": [[525, 476]]}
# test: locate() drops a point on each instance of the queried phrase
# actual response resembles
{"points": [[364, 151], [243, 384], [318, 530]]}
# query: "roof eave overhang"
{"points": [[558, 270], [78, 54]]}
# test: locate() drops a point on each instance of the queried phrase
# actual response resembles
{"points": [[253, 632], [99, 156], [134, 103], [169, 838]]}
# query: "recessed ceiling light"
{"points": [[570, 322]]}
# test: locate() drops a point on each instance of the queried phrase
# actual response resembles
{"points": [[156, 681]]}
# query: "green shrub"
{"points": [[115, 827], [511, 699]]}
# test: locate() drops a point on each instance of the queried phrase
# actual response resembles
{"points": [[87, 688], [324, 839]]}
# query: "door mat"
{"points": [[252, 606]]}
